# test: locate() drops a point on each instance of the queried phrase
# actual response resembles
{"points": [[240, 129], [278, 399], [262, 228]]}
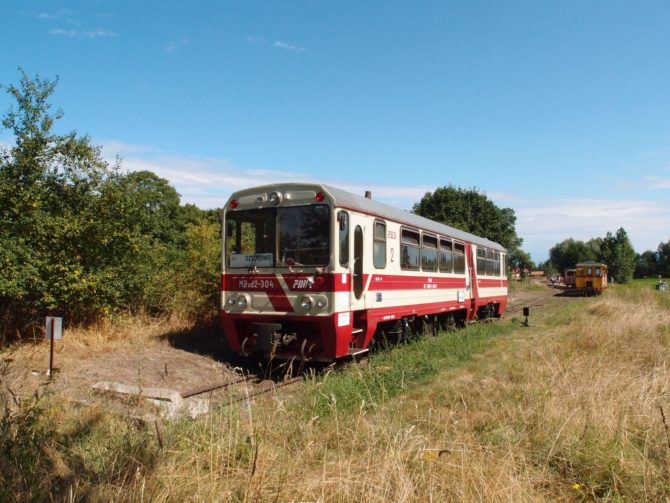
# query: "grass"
{"points": [[573, 408], [393, 371]]}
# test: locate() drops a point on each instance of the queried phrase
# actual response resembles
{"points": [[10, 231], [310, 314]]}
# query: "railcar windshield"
{"points": [[278, 237]]}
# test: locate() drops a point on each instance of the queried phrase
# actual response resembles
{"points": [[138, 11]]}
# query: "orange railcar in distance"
{"points": [[590, 278]]}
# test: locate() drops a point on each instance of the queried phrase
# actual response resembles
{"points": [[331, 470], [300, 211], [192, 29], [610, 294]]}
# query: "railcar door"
{"points": [[358, 264], [472, 278]]}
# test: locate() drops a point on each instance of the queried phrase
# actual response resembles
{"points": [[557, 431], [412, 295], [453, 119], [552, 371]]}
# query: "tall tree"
{"points": [[646, 264], [663, 259], [569, 252], [618, 253], [48, 183], [520, 259], [82, 238], [471, 211]]}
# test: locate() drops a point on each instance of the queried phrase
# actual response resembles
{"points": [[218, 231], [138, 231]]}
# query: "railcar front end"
{"points": [[278, 285]]}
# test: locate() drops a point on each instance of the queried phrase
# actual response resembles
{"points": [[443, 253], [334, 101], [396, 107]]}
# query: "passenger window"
{"points": [[343, 220], [481, 261], [409, 250], [446, 256], [429, 253], [379, 245], [490, 264], [459, 258]]}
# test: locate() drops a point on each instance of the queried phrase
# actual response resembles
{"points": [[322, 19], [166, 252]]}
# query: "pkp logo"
{"points": [[302, 283]]}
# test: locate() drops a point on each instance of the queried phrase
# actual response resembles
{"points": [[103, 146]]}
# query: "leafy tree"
{"points": [[569, 252], [646, 264], [83, 239], [200, 273], [521, 259], [157, 205], [618, 253], [663, 259], [48, 183], [470, 211], [549, 268]]}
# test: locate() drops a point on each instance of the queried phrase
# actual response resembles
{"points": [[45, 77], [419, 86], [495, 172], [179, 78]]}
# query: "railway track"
{"points": [[253, 384], [249, 385], [516, 308]]}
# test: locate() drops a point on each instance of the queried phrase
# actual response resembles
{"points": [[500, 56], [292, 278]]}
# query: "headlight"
{"points": [[321, 302], [306, 303], [231, 300], [274, 198], [242, 301]]}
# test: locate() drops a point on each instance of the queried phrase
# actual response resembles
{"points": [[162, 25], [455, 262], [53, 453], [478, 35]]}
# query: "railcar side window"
{"points": [[409, 250], [481, 261], [488, 262], [459, 258], [343, 219], [446, 256], [379, 245], [429, 253]]}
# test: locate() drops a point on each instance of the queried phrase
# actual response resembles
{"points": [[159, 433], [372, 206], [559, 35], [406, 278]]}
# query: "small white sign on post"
{"points": [[54, 331], [54, 328]]}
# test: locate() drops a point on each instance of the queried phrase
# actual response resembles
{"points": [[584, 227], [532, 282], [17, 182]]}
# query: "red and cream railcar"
{"points": [[314, 272]]}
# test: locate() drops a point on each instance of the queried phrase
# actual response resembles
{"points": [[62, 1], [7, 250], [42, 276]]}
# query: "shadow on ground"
{"points": [[207, 339]]}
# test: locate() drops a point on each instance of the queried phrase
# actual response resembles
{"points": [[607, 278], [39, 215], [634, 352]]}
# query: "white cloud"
{"points": [[288, 47], [63, 32], [541, 222], [657, 182], [60, 14], [100, 33], [196, 179], [90, 34], [115, 148], [176, 45]]}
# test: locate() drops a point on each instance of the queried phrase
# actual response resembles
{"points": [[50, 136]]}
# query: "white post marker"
{"points": [[54, 331]]}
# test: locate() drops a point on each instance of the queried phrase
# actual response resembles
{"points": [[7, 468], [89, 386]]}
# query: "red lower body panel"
{"points": [[327, 338]]}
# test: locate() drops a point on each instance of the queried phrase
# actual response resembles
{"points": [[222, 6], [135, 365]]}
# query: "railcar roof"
{"points": [[370, 206]]}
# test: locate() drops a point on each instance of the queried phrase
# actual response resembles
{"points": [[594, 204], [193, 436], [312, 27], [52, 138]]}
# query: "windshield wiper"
{"points": [[252, 267]]}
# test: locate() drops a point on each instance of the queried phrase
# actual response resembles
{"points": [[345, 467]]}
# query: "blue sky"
{"points": [[559, 110]]}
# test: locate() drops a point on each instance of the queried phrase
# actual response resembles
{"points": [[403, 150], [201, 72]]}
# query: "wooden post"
{"points": [[51, 348], [54, 330]]}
